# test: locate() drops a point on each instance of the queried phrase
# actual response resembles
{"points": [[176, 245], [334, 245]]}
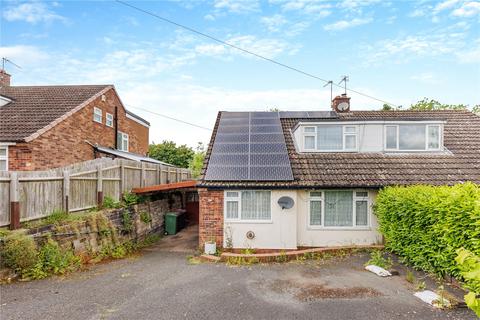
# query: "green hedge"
{"points": [[425, 225]]}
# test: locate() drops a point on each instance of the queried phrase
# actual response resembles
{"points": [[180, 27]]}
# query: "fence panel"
{"points": [[40, 198], [4, 201], [42, 192]]}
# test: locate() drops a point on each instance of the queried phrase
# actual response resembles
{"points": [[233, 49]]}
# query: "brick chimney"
{"points": [[341, 103], [4, 79]]}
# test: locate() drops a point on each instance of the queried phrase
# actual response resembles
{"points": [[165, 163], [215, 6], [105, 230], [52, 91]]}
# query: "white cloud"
{"points": [[24, 55], [274, 23], [269, 48], [419, 12], [447, 4], [468, 9], [345, 24], [447, 41], [32, 12], [237, 6], [470, 55], [427, 78], [355, 4]]}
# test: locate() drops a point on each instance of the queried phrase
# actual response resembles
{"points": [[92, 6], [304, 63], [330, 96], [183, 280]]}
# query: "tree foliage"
{"points": [[427, 104], [169, 152], [197, 161], [430, 104]]}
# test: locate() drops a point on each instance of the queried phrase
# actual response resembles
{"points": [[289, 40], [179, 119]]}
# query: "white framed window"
{"points": [[413, 137], [122, 141], [330, 138], [248, 205], [309, 138], [349, 209], [109, 120], [97, 115], [3, 158]]}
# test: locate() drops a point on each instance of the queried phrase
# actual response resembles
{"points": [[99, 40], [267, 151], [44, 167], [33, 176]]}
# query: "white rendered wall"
{"points": [[330, 237], [279, 233]]}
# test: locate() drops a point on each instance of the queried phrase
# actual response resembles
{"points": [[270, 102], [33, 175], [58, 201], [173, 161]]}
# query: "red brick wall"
{"points": [[65, 144], [211, 216]]}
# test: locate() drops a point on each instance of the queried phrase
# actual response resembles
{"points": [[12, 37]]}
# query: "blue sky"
{"points": [[398, 51]]}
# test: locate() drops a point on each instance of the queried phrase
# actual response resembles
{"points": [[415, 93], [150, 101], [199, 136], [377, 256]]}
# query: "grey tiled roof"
{"points": [[331, 170]]}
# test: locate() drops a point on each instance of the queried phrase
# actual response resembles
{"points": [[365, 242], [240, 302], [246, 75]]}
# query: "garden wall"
{"points": [[111, 227]]}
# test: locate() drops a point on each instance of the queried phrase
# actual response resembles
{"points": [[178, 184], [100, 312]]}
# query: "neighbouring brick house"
{"points": [[43, 127], [283, 180]]}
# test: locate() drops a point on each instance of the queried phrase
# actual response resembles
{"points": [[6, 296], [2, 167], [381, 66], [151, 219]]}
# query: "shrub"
{"points": [[469, 265], [425, 225], [56, 260], [110, 203], [127, 222], [377, 259], [19, 252], [130, 199], [145, 217]]}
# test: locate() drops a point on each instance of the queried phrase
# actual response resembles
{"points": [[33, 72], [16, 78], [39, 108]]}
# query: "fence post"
{"points": [[66, 190], [159, 174], [99, 187], [142, 175], [122, 183], [14, 202]]}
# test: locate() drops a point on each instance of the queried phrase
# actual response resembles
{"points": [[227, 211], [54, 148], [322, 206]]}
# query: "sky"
{"points": [[395, 51]]}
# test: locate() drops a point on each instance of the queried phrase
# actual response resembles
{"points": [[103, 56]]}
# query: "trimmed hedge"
{"points": [[425, 225]]}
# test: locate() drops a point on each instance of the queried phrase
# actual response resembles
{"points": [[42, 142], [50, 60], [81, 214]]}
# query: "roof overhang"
{"points": [[129, 155]]}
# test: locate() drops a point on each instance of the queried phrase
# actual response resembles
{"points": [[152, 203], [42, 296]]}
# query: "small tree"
{"points": [[169, 152], [430, 104], [197, 161]]}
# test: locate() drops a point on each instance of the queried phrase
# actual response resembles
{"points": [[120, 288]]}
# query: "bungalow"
{"points": [[283, 180], [44, 127]]}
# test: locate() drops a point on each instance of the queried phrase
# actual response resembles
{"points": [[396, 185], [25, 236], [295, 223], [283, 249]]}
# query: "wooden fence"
{"points": [[79, 186]]}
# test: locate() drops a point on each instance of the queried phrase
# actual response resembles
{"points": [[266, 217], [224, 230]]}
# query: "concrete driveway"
{"points": [[161, 284]]}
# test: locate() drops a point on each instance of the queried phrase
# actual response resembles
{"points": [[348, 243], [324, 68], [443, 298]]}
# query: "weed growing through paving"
{"points": [[410, 277], [377, 259]]}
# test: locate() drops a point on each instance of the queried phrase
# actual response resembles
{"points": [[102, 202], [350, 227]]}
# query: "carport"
{"points": [[187, 190]]}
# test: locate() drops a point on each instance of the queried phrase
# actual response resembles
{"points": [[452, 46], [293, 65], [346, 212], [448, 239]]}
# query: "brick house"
{"points": [[43, 127], [284, 180]]}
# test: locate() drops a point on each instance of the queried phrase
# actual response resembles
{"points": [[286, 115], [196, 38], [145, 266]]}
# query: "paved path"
{"points": [[160, 284]]}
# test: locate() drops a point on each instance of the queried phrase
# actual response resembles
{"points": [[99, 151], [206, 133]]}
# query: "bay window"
{"points": [[338, 209], [247, 205], [3, 158], [412, 137]]}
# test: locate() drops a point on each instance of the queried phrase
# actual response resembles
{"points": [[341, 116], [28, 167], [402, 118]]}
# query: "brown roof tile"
{"points": [[330, 170], [34, 107]]}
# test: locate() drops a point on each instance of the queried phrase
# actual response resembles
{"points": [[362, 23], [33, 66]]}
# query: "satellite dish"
{"points": [[286, 202]]}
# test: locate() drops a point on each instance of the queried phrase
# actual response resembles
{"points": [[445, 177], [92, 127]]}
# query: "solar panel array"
{"points": [[308, 114], [249, 146]]}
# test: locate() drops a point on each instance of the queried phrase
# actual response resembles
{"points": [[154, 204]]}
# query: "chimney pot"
{"points": [[4, 79]]}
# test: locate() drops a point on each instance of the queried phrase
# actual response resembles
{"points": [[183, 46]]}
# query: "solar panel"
{"points": [[308, 114], [249, 146]]}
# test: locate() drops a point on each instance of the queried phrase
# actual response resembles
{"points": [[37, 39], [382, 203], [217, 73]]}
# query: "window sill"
{"points": [[313, 228], [249, 221]]}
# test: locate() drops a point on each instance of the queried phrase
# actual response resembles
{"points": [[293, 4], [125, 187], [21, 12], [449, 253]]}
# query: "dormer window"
{"points": [[4, 101], [325, 138], [412, 137]]}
